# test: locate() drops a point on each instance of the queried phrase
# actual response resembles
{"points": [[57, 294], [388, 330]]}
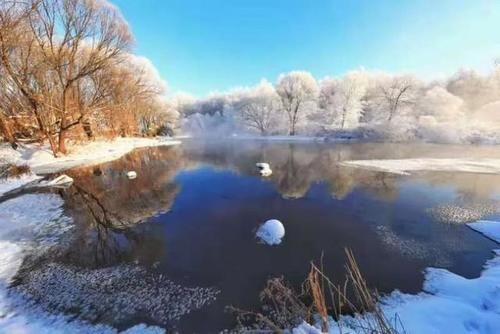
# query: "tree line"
{"points": [[464, 107], [67, 71]]}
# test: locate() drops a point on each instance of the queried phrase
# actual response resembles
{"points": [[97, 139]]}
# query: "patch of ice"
{"points": [[271, 232], [462, 213], [413, 248], [405, 166], [111, 294], [489, 228]]}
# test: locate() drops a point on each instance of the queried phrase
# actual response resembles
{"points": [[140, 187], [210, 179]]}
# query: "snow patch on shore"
{"points": [[32, 224], [41, 161], [405, 166], [12, 183], [449, 304]]}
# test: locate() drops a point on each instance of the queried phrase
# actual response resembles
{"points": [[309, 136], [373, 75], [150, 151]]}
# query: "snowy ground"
{"points": [[448, 304], [279, 138], [13, 183], [405, 166], [41, 160], [32, 224]]}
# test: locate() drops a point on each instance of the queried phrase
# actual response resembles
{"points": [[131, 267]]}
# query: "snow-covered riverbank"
{"points": [[449, 303], [41, 161], [32, 224]]}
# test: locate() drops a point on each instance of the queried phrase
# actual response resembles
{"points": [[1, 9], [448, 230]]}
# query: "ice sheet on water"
{"points": [[489, 228], [405, 166]]}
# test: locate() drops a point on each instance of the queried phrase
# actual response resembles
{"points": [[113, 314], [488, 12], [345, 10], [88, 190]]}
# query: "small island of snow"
{"points": [[271, 232]]}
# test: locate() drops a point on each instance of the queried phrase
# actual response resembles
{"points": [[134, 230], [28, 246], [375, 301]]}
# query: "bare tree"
{"points": [[259, 108], [397, 92], [77, 38]]}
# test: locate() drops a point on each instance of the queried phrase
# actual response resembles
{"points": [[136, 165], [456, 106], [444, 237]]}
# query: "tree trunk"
{"points": [[344, 111], [52, 144], [87, 128], [62, 142]]}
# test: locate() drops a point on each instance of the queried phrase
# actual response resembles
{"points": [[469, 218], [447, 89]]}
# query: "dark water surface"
{"points": [[192, 213]]}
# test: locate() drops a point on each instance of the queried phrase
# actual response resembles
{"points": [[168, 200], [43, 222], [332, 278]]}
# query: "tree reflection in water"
{"points": [[106, 206]]}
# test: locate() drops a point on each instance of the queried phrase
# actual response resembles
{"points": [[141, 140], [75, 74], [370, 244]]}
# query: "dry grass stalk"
{"points": [[284, 308], [7, 171]]}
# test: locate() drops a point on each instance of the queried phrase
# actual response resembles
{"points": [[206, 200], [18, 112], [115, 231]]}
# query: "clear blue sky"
{"points": [[207, 45]]}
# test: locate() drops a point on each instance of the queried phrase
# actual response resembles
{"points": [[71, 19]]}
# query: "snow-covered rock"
{"points": [[12, 183], [262, 165], [264, 168], [62, 181], [271, 232]]}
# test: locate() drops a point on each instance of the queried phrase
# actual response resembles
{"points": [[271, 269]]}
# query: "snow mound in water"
{"points": [[271, 232], [264, 168]]}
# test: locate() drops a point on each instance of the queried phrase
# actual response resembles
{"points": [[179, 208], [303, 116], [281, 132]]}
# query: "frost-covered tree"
{"points": [[259, 108], [348, 101], [297, 91], [340, 101], [475, 89], [326, 115], [441, 116], [440, 104], [396, 93]]}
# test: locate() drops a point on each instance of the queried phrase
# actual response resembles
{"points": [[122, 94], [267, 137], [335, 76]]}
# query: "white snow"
{"points": [[12, 183], [264, 168], [62, 181], [282, 138], [489, 228], [405, 166], [271, 232], [41, 161], [262, 165], [449, 303], [30, 223]]}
